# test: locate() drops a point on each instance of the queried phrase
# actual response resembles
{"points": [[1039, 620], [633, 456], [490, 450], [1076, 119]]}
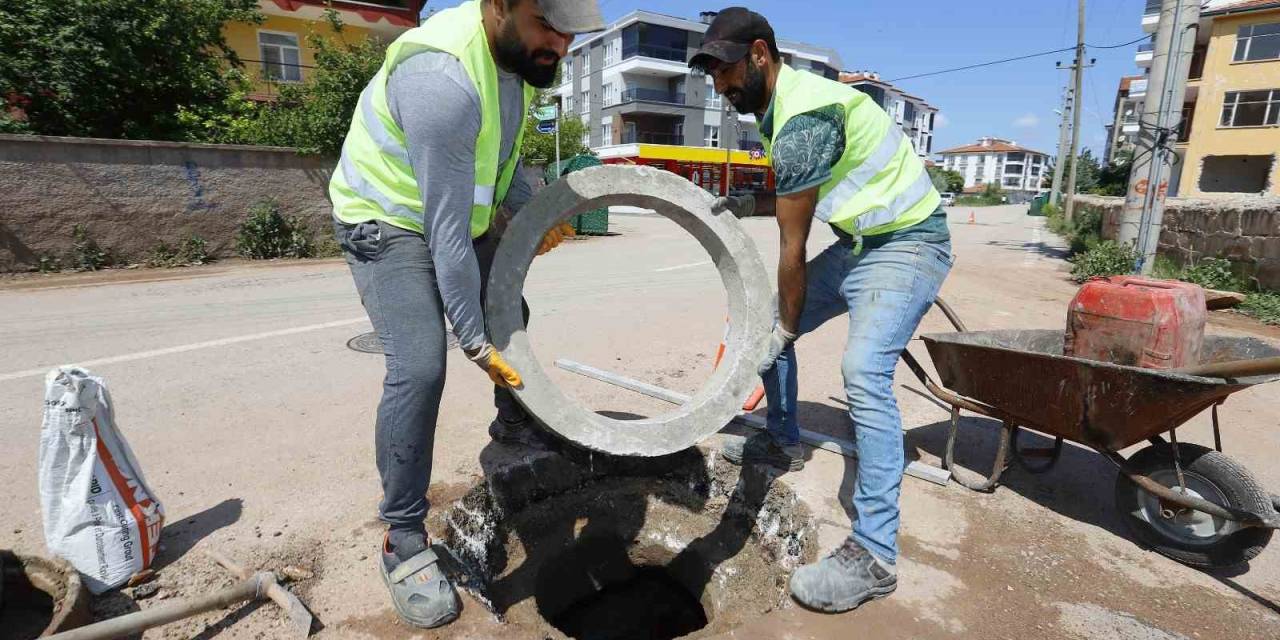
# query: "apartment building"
{"points": [[632, 84], [1122, 132], [1017, 170], [1229, 136], [911, 112]]}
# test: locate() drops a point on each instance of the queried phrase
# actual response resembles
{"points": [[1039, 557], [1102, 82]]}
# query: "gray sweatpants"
{"points": [[395, 277]]}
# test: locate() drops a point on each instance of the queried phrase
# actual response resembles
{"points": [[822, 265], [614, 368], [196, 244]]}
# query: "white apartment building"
{"points": [[1017, 170], [632, 84], [912, 113]]}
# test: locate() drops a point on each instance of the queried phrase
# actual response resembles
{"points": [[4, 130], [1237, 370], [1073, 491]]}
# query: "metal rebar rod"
{"points": [[253, 588]]}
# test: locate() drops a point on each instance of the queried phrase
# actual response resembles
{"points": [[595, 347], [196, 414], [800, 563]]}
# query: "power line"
{"points": [[1013, 59]]}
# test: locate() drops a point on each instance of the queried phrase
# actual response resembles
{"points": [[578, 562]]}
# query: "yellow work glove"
{"points": [[501, 373], [555, 236]]}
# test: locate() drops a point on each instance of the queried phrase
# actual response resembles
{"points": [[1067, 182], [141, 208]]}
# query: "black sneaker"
{"points": [[760, 448], [843, 580], [522, 433]]}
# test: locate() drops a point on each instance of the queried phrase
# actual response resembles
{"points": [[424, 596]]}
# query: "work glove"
{"points": [[555, 236], [741, 206], [779, 340], [501, 373]]}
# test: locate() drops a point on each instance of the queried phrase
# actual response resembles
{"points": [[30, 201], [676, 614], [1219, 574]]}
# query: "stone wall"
{"points": [[1244, 230], [132, 195]]}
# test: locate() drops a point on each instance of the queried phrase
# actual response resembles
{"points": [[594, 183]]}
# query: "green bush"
{"points": [[192, 250], [1263, 306], [1105, 258], [990, 196], [1213, 273], [86, 255], [1082, 232], [268, 234], [1165, 268]]}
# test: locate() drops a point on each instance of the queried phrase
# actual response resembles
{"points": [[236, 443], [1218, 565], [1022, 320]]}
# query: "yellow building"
{"points": [[276, 50], [1232, 107]]}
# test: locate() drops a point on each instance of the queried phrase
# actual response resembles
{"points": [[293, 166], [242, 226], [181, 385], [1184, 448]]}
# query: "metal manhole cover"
{"points": [[369, 342]]}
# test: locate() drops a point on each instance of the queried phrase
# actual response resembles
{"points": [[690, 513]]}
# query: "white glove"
{"points": [[779, 340], [741, 206]]}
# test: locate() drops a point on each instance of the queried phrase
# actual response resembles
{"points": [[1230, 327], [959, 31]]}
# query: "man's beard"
{"points": [[512, 55], [750, 98]]}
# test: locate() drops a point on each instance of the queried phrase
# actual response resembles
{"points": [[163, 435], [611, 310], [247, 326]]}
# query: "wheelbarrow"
{"points": [[1185, 501]]}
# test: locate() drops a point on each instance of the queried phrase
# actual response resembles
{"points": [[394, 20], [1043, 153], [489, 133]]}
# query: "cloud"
{"points": [[941, 121], [1028, 121]]}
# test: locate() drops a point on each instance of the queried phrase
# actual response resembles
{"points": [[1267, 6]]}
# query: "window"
{"points": [[711, 136], [584, 102], [566, 74], [1235, 174], [1258, 42], [610, 94], [586, 61], [568, 103], [713, 100], [1013, 182], [279, 56], [611, 51], [1251, 108], [606, 133]]}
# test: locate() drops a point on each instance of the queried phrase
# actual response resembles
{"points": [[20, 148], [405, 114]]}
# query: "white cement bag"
{"points": [[99, 513]]}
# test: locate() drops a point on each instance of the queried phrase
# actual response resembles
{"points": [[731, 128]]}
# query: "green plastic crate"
{"points": [[591, 223]]}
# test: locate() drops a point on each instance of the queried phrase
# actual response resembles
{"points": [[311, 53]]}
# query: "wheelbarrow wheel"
{"points": [[1186, 535]]}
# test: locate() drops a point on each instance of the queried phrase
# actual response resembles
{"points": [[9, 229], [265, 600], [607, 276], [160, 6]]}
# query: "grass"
{"points": [[1264, 306], [266, 233], [193, 250]]}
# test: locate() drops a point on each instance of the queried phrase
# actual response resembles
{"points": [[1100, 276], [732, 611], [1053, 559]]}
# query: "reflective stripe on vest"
{"points": [[375, 179], [888, 188]]}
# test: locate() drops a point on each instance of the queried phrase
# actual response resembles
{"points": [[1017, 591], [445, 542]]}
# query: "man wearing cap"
{"points": [[840, 159], [433, 151]]}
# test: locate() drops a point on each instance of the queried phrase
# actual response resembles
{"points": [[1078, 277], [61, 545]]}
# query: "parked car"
{"points": [[948, 198]]}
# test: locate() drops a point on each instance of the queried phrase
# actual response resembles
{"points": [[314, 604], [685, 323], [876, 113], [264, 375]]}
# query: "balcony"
{"points": [[651, 137], [1138, 88], [1144, 55], [651, 95], [676, 54], [1151, 16]]}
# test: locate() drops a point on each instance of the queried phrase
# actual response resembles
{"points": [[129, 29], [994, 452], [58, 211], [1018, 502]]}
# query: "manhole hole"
{"points": [[681, 546], [369, 342]]}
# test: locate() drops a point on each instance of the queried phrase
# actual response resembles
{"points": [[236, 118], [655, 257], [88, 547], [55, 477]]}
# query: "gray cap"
{"points": [[573, 16]]}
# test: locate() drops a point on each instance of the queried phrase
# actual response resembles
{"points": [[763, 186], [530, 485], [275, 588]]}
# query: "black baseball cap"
{"points": [[730, 35]]}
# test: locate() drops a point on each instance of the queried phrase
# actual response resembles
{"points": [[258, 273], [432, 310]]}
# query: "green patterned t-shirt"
{"points": [[809, 146]]}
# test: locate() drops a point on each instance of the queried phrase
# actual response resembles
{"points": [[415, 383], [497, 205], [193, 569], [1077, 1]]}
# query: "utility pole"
{"points": [[1143, 213], [1064, 129], [1077, 92]]}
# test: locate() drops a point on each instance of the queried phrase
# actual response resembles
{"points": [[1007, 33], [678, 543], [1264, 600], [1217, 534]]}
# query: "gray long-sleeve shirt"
{"points": [[436, 105]]}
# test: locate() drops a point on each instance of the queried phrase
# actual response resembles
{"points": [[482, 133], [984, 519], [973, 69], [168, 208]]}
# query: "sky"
{"points": [[1014, 101]]}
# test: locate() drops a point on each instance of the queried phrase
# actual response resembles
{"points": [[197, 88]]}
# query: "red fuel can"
{"points": [[1130, 320]]}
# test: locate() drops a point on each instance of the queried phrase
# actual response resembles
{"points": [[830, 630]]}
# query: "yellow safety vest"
{"points": [[879, 185], [374, 179]]}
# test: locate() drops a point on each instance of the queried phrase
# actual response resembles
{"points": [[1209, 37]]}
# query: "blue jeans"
{"points": [[886, 292]]}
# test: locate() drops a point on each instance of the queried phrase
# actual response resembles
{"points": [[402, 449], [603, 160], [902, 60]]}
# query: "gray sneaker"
{"points": [[760, 448], [843, 580], [420, 591], [523, 433]]}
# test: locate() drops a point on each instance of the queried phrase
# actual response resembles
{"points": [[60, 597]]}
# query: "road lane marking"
{"points": [[682, 266], [142, 355]]}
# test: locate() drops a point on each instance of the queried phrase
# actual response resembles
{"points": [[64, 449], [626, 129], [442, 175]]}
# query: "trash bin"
{"points": [[591, 223], [1037, 205]]}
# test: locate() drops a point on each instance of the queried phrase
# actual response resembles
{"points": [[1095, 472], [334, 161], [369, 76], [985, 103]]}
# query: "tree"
{"points": [[946, 180], [1086, 175], [113, 68], [1113, 179], [541, 147], [312, 117]]}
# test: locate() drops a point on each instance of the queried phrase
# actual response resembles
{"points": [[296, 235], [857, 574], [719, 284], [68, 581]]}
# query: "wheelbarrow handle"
{"points": [[1235, 368]]}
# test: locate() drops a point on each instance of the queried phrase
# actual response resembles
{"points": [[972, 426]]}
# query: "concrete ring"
{"points": [[741, 269]]}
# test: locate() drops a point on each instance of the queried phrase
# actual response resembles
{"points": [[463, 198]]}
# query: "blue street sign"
{"points": [[547, 126]]}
